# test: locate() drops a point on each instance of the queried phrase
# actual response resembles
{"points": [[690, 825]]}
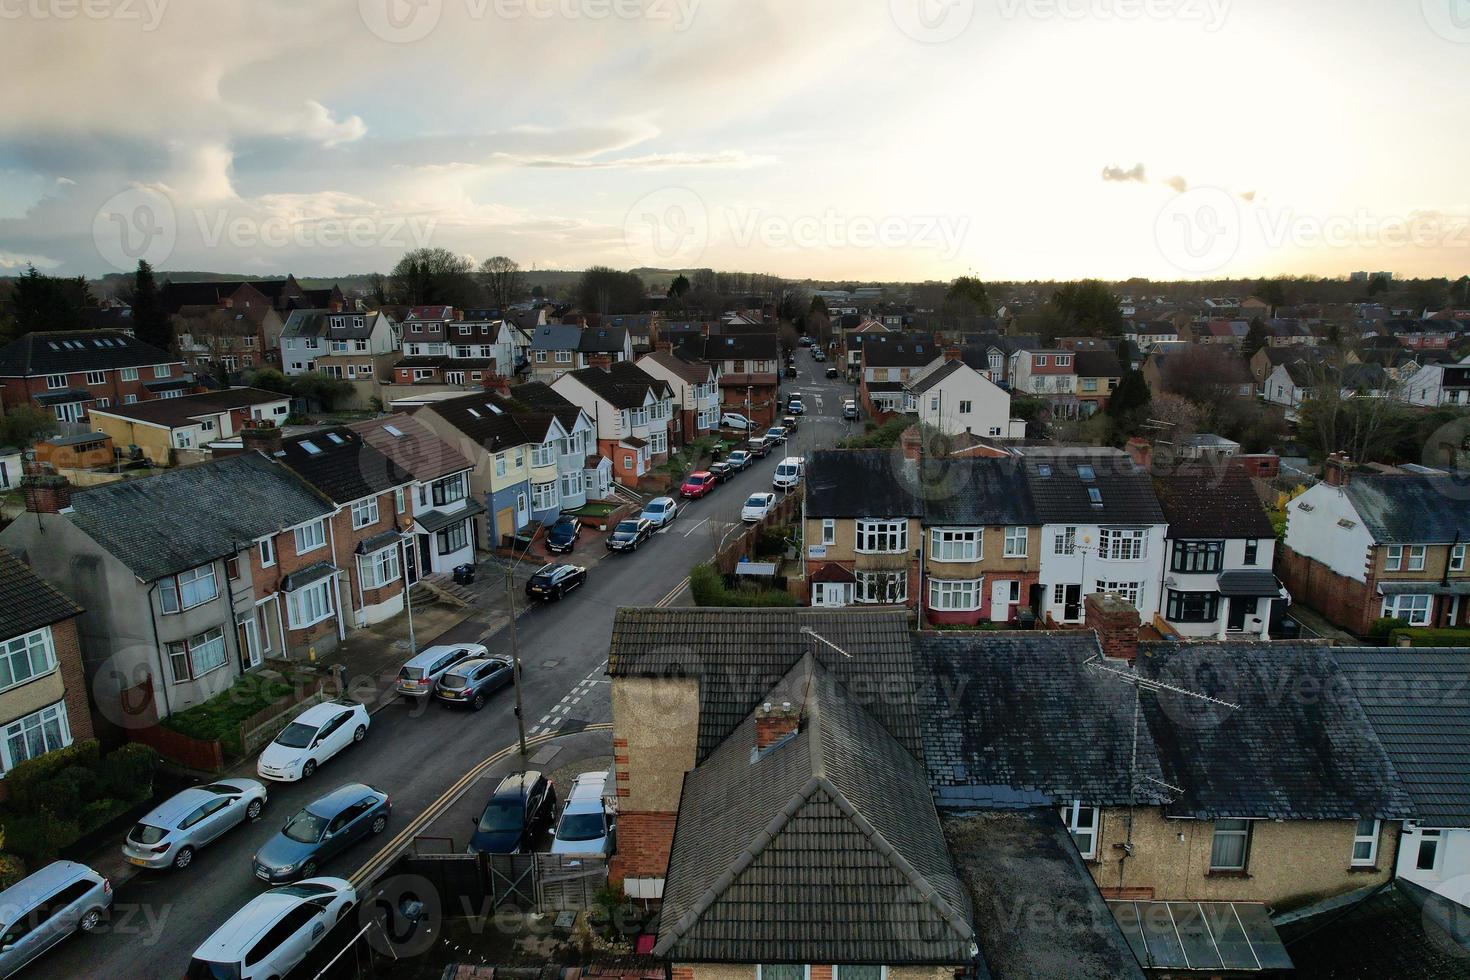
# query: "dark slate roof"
{"points": [[1097, 364], [1060, 490], [905, 352], [306, 323], [77, 350], [186, 409], [556, 336], [1418, 701], [825, 848], [624, 385], [746, 347], [412, 445], [1398, 931], [27, 601], [1204, 503], [1016, 719], [545, 398], [935, 376], [1280, 754], [174, 295], [186, 517], [1412, 509], [1027, 856], [738, 655], [602, 340], [484, 419], [862, 483], [695, 372], [346, 468], [976, 491]]}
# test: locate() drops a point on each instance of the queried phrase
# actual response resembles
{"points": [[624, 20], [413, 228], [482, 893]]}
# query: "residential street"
{"points": [[416, 753]]}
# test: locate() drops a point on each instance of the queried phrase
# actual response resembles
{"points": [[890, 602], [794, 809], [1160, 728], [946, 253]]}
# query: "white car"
{"points": [[274, 931], [586, 825], [660, 511], [734, 420], [788, 473], [757, 506], [317, 734], [172, 831]]}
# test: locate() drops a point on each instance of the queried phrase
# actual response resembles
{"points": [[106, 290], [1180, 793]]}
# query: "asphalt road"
{"points": [[416, 752]]}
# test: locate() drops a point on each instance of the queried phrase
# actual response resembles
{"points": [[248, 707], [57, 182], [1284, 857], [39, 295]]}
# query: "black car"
{"points": [[791, 370], [832, 371], [523, 804], [629, 534], [472, 682], [555, 581], [563, 535], [721, 471]]}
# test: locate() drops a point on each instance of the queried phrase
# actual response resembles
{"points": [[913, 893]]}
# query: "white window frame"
{"points": [[1128, 590], [34, 722], [760, 971], [1244, 832], [1457, 558], [956, 544], [1072, 817], [173, 591], [1416, 557], [55, 382], [162, 370], [544, 496], [1395, 607], [320, 589], [35, 650], [882, 536], [1117, 544], [267, 552], [379, 568], [365, 513], [1433, 838], [543, 454], [955, 595], [304, 536], [1393, 559], [96, 377], [128, 374], [1370, 839], [872, 587], [1064, 542], [1011, 540], [829, 531]]}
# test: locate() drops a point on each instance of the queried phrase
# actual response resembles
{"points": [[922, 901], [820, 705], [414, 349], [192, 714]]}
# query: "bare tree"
{"points": [[503, 280], [1349, 407]]}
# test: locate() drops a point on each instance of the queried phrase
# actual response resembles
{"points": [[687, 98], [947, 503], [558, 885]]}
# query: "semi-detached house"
{"points": [[67, 373], [696, 390], [631, 410]]}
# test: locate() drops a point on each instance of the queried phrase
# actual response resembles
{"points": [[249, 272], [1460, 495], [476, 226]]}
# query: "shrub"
{"points": [[28, 783], [1383, 628], [1442, 637], [709, 589], [12, 869], [38, 836], [58, 797]]}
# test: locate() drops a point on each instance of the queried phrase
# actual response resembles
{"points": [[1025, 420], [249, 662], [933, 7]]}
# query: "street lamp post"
{"points": [[515, 654]]}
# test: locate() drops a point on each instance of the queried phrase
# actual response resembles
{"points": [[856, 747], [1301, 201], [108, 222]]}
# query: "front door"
{"points": [[425, 556], [410, 564], [1240, 608], [1072, 603], [1000, 601], [250, 650]]}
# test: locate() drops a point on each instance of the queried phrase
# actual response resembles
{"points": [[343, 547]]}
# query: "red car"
{"points": [[697, 484]]}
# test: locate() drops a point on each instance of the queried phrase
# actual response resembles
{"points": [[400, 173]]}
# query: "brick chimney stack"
{"points": [[773, 722], [45, 493], [1116, 624], [952, 354], [1141, 452], [261, 434], [911, 441], [498, 383], [1335, 470]]}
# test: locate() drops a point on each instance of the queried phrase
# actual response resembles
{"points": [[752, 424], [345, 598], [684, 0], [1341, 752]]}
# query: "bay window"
{"points": [[310, 604], [882, 536], [34, 735], [961, 595], [949, 544], [187, 589], [453, 538], [543, 454], [882, 588], [379, 568], [1413, 609], [543, 495]]}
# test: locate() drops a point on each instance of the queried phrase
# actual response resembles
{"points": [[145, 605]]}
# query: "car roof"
{"points": [[340, 799], [550, 568], [517, 784], [318, 714], [464, 666], [588, 786], [699, 473], [41, 884], [661, 501], [790, 460], [229, 942], [175, 807], [430, 654]]}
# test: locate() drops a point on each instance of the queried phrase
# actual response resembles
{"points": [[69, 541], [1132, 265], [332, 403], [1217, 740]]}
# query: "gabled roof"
{"points": [[1418, 701], [801, 852], [27, 601], [906, 352], [191, 515], [186, 409], [557, 336], [1411, 509], [862, 483], [603, 340], [306, 323], [1097, 364], [412, 445], [694, 372], [741, 347], [1279, 754], [977, 491], [62, 352], [624, 385], [341, 465], [544, 398], [1062, 481], [1016, 719], [931, 378], [738, 655], [1200, 502], [423, 313]]}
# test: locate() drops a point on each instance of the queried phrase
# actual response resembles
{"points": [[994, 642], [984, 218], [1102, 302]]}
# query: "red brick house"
{"points": [[748, 366], [67, 372]]}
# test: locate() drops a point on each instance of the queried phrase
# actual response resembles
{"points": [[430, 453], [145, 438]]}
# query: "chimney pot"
{"points": [[1335, 470], [772, 724], [1141, 452], [1116, 624]]}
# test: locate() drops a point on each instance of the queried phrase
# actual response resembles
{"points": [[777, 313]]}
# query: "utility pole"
{"points": [[515, 655], [413, 647]]}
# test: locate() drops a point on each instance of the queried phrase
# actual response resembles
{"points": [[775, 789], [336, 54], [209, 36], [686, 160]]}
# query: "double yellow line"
{"points": [[379, 862], [674, 594]]}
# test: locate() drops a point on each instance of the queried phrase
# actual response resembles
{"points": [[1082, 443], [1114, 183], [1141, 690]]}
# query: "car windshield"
{"points": [[303, 889], [306, 827], [655, 508], [627, 527], [563, 529], [580, 826], [500, 816], [453, 682], [296, 735], [695, 481], [756, 501], [208, 970], [146, 834]]}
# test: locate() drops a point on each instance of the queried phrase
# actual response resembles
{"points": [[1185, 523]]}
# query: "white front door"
{"points": [[832, 594], [1000, 601], [250, 641]]}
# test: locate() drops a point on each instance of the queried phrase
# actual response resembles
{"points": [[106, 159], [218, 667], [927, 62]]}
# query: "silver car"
{"points": [[38, 912], [176, 828]]}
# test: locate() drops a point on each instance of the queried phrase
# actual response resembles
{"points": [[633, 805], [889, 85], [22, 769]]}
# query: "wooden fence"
{"points": [[142, 726]]}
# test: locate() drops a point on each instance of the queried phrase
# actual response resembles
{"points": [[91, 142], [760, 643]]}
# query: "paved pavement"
{"points": [[416, 752]]}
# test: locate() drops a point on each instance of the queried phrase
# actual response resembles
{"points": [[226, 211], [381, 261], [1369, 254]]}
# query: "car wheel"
{"points": [[252, 812], [561, 591], [308, 770], [91, 920], [478, 702], [184, 858], [380, 824], [308, 870], [360, 734]]}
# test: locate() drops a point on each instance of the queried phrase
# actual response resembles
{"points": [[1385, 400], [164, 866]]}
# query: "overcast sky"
{"points": [[851, 139]]}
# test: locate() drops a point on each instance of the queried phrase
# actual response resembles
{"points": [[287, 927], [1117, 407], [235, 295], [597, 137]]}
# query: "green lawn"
{"points": [[593, 510], [219, 718]]}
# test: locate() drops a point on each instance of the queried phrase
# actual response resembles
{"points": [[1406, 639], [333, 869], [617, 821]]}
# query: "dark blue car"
{"points": [[522, 806], [320, 830], [563, 535]]}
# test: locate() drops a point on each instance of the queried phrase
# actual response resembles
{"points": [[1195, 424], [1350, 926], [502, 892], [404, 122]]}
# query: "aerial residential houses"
{"points": [[169, 430], [696, 391], [632, 411], [953, 398], [67, 373]]}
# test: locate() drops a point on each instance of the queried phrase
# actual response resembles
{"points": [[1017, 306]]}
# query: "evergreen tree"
{"points": [[150, 322]]}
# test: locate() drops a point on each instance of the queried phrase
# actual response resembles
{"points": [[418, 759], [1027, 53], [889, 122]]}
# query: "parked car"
{"points": [[563, 535], [818, 354], [795, 406], [734, 420], [832, 371], [697, 484], [317, 734], [473, 681], [321, 829], [171, 832], [805, 341], [788, 473], [739, 459], [721, 471], [776, 434], [522, 805], [555, 580], [44, 908], [660, 511], [760, 447], [629, 534], [789, 423], [274, 931], [791, 370], [417, 677], [849, 409], [585, 826], [757, 506]]}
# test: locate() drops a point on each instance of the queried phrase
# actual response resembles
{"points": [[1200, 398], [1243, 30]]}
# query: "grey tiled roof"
{"points": [[624, 385], [77, 350], [343, 466], [1412, 509], [1298, 746], [738, 655], [1399, 931], [186, 517], [862, 483], [1064, 931], [1018, 711], [556, 336], [978, 491], [935, 376], [1060, 491], [27, 601], [306, 323], [1204, 503], [825, 848], [1418, 701]]}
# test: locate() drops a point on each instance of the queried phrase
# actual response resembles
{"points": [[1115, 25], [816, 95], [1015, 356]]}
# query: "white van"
{"points": [[788, 473]]}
